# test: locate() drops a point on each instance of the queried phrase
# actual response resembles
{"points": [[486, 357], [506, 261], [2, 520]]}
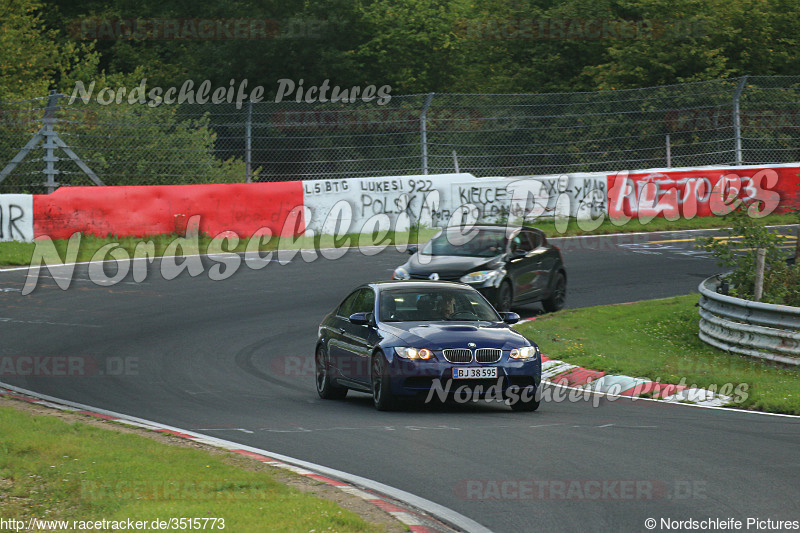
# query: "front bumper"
{"points": [[415, 378]]}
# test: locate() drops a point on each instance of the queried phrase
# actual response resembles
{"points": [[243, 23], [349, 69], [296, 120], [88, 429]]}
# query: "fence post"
{"points": [[669, 153], [52, 141], [48, 131], [423, 132], [737, 126], [248, 141]]}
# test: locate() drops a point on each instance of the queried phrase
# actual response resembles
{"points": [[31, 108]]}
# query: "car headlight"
{"points": [[481, 276], [400, 273], [413, 353], [526, 352]]}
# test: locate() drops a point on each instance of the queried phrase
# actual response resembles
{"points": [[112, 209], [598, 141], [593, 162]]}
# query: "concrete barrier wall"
{"points": [[356, 205], [16, 217], [686, 193], [158, 209]]}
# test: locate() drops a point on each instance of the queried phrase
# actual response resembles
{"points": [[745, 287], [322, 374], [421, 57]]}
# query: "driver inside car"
{"points": [[452, 308], [448, 306]]}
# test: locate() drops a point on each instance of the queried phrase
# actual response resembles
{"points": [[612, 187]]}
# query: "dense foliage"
{"points": [[526, 46], [415, 47], [737, 250]]}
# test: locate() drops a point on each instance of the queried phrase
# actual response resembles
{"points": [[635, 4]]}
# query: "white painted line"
{"points": [[407, 518], [358, 492], [56, 406], [298, 470], [659, 232], [554, 367], [136, 424]]}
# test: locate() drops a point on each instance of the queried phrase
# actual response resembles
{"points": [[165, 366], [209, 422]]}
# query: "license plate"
{"points": [[473, 372]]}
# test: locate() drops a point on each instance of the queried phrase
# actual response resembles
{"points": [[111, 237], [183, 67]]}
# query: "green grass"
{"points": [[14, 253], [55, 469], [658, 340]]}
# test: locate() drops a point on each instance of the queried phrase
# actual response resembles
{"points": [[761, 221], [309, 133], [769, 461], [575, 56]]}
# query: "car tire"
{"points": [[558, 298], [382, 395], [504, 297], [325, 388], [524, 404]]}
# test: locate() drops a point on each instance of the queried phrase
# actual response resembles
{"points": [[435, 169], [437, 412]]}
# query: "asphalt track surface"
{"points": [[230, 359]]}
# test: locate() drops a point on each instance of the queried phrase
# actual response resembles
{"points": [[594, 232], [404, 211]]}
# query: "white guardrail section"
{"points": [[749, 328]]}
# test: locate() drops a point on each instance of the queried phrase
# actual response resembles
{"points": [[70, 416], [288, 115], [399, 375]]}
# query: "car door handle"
{"points": [[341, 330]]}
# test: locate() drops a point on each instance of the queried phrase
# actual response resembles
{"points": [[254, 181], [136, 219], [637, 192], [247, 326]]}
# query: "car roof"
{"points": [[487, 225], [418, 284]]}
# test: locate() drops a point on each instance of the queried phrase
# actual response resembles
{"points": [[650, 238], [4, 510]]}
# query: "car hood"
{"points": [[450, 265], [438, 335]]}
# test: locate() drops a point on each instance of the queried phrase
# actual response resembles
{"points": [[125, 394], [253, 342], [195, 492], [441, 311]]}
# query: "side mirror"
{"points": [[362, 319], [516, 254], [508, 317], [411, 250]]}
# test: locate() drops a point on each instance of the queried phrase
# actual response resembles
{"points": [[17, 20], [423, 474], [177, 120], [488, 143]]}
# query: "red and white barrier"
{"points": [[16, 217], [355, 205], [686, 193], [163, 209]]}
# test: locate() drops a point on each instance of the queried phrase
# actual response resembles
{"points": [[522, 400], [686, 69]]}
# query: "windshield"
{"points": [[414, 305], [485, 243]]}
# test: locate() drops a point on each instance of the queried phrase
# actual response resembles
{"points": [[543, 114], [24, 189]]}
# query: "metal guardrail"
{"points": [[749, 328]]}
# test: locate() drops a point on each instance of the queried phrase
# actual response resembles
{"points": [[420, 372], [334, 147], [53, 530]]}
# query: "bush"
{"points": [[737, 251]]}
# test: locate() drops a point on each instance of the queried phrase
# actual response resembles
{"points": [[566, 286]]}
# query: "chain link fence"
{"points": [[748, 120]]}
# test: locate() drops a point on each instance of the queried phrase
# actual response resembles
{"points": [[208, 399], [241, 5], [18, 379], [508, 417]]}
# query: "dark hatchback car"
{"points": [[428, 340], [510, 266]]}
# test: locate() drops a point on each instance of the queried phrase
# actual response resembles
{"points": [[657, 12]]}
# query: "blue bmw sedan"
{"points": [[425, 339]]}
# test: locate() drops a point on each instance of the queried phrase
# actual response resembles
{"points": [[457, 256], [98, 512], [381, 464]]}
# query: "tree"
{"points": [[33, 56]]}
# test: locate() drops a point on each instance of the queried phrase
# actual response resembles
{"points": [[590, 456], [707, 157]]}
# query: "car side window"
{"points": [[521, 242], [345, 309], [535, 238], [365, 302]]}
